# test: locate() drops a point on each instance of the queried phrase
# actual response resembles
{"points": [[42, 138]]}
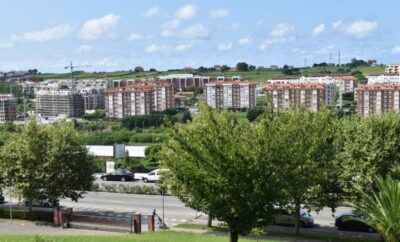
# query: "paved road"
{"points": [[175, 211]]}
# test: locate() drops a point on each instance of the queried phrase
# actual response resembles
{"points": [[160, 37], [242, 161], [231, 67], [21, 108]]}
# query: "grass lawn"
{"points": [[167, 236], [276, 233]]}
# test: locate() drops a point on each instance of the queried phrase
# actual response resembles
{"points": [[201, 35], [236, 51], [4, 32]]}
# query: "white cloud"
{"points": [[245, 40], [361, 28], [337, 24], [173, 24], [282, 29], [395, 49], [134, 37], [154, 11], [224, 46], [56, 32], [84, 48], [318, 30], [155, 48], [99, 27], [197, 31], [6, 44], [262, 47], [167, 33], [326, 50], [220, 13], [275, 41], [186, 12], [183, 47]]}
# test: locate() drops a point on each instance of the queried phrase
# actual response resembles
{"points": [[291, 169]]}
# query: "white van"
{"points": [[153, 176]]}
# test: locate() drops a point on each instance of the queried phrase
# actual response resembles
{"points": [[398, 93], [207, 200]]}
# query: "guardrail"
{"points": [[103, 222]]}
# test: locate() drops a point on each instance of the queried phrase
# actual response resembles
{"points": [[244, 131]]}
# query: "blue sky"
{"points": [[106, 35]]}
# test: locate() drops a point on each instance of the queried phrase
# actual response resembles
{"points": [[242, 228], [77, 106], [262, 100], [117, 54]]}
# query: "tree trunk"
{"points": [[233, 236], [297, 218], [209, 222]]}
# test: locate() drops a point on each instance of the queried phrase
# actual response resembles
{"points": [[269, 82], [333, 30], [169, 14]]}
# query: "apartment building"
{"points": [[92, 98], [333, 89], [182, 81], [310, 95], [384, 79], [182, 99], [52, 102], [377, 98], [234, 94], [139, 98], [345, 83], [8, 108], [392, 69]]}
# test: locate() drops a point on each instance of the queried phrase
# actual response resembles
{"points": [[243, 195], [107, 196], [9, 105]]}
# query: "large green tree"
{"points": [[47, 162], [302, 147], [219, 165], [369, 147]]}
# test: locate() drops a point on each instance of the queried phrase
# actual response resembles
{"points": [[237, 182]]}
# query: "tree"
{"points": [[187, 117], [138, 69], [242, 66], [217, 166], [368, 147], [301, 142], [381, 207], [253, 113], [47, 162]]}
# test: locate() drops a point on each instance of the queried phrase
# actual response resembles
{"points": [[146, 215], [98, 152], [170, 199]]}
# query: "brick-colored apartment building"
{"points": [[139, 98], [8, 108], [310, 95], [377, 98], [234, 94]]}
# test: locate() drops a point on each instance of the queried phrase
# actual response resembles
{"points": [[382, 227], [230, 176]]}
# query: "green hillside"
{"points": [[258, 75]]}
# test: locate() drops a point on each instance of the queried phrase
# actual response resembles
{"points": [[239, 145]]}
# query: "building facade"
{"points": [[384, 79], [138, 99], [55, 102], [310, 95], [392, 69], [234, 94], [8, 108], [377, 99], [182, 81]]}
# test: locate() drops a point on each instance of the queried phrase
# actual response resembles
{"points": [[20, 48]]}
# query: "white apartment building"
{"points": [[378, 99], [230, 94], [392, 69], [62, 101], [383, 79], [185, 80]]}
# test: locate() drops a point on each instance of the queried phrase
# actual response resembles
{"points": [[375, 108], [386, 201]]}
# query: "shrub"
{"points": [[26, 215]]}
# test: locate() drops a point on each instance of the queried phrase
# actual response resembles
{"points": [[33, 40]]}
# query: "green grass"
{"points": [[276, 233], [167, 236]]}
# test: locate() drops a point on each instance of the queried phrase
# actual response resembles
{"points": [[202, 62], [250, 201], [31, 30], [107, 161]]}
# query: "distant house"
{"points": [[187, 68], [372, 62], [274, 67]]}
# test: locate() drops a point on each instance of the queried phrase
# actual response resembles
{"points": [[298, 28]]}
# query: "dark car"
{"points": [[1, 197], [118, 175], [351, 222]]}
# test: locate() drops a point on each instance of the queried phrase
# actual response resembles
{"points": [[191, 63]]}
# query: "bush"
{"points": [[26, 215], [121, 188]]}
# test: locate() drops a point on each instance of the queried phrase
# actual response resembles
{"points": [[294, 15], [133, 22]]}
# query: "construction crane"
{"points": [[71, 67]]}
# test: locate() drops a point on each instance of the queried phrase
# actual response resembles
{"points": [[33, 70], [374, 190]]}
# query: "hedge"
{"points": [[26, 215]]}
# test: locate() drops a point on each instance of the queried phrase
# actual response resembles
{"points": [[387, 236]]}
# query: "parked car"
{"points": [[285, 217], [153, 176], [351, 222], [1, 197], [118, 175], [42, 203]]}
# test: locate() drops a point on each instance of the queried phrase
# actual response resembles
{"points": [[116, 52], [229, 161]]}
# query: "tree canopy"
{"points": [[47, 162]]}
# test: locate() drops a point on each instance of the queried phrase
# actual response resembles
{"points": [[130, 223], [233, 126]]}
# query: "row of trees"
{"points": [[237, 171]]}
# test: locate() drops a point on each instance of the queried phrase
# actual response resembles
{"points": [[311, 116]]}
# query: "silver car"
{"points": [[287, 218]]}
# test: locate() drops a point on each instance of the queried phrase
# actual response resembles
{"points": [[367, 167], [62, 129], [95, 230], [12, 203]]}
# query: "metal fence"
{"points": [[101, 222]]}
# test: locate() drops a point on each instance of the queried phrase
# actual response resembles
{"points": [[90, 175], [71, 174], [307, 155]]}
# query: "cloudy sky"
{"points": [[121, 34]]}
